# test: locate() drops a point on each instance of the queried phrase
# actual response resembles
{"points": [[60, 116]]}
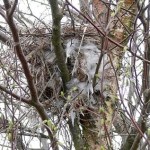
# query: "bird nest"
{"points": [[39, 53]]}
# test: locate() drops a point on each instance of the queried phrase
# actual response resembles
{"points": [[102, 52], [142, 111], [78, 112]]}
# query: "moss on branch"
{"points": [[56, 41]]}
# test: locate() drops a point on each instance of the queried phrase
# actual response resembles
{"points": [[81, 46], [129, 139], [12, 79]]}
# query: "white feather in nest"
{"points": [[71, 48], [88, 62]]}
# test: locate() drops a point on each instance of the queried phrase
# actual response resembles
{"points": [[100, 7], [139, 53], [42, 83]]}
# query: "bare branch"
{"points": [[14, 95], [2, 13], [13, 7], [34, 97], [3, 37], [20, 55]]}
